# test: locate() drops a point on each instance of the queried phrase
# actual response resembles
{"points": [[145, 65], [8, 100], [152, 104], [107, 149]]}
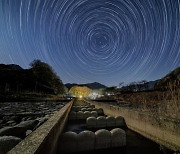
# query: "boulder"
{"points": [[41, 121], [103, 139], [119, 121], [13, 131], [28, 132], [92, 106], [83, 109], [29, 124], [20, 129], [110, 121], [89, 109], [7, 143], [86, 141], [94, 114], [87, 114], [100, 111], [80, 115], [68, 142], [101, 122], [118, 137], [72, 115], [74, 108], [91, 122]]}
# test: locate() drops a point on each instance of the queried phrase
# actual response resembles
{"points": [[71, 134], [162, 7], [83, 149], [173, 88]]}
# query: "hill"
{"points": [[140, 86], [171, 79], [93, 86], [10, 67], [39, 78]]}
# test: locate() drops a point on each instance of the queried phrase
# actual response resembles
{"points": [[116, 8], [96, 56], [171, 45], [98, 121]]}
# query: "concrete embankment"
{"points": [[44, 138], [164, 131]]}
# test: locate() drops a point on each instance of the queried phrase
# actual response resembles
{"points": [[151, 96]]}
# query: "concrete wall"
{"points": [[161, 130], [44, 139]]}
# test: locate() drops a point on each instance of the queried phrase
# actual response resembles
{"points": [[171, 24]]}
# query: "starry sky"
{"points": [[107, 41]]}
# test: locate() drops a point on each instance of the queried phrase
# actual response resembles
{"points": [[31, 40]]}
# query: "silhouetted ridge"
{"points": [[94, 85], [171, 79], [39, 78], [10, 67]]}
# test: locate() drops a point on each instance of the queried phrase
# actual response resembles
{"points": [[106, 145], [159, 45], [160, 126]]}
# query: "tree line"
{"points": [[40, 78]]}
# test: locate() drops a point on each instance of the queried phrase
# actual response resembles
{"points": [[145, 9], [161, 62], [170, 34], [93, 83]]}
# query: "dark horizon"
{"points": [[125, 84]]}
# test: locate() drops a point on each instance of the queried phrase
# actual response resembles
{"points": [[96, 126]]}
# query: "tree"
{"points": [[80, 91], [121, 84], [109, 90], [46, 78], [141, 85]]}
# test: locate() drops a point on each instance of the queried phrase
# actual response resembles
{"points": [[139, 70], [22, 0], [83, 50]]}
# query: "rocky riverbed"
{"points": [[19, 119]]}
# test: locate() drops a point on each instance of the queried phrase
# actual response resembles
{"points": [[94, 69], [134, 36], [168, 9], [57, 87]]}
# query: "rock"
{"points": [[100, 111], [91, 122], [103, 139], [74, 108], [6, 118], [72, 115], [118, 137], [80, 115], [1, 121], [41, 121], [86, 141], [87, 114], [89, 109], [83, 109], [12, 131], [24, 119], [29, 118], [7, 143], [6, 131], [94, 114], [20, 129], [11, 123], [92, 106], [110, 121], [101, 122], [16, 119], [28, 132], [30, 124], [119, 121], [68, 142]]}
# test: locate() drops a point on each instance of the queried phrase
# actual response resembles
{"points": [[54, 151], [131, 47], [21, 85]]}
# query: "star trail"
{"points": [[108, 41]]}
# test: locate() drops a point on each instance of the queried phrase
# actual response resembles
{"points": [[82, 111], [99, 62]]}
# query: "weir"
{"points": [[163, 131], [48, 137]]}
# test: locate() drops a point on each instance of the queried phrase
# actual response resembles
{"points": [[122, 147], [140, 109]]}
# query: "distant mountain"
{"points": [[93, 86], [70, 85], [150, 85], [173, 78], [135, 86]]}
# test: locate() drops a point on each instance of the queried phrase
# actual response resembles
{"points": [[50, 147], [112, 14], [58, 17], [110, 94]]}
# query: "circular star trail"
{"points": [[93, 40]]}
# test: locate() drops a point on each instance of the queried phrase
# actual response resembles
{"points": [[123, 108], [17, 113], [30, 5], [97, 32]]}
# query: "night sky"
{"points": [[107, 41]]}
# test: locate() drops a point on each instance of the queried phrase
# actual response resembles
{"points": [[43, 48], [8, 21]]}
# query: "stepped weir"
{"points": [[88, 126]]}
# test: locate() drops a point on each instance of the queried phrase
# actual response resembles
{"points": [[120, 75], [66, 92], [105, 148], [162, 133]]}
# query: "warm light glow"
{"points": [[80, 91]]}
